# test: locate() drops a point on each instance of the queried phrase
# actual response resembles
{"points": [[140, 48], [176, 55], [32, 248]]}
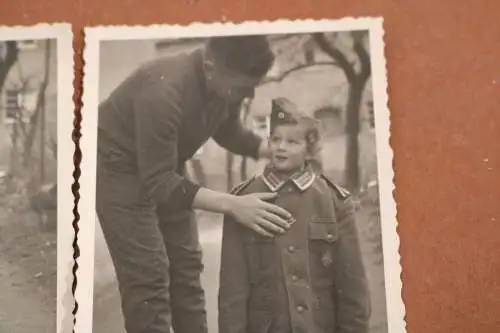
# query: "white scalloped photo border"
{"points": [[63, 34], [93, 37]]}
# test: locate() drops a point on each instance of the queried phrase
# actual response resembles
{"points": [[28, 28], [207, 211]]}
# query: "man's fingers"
{"points": [[271, 223], [277, 210], [275, 220], [266, 196], [261, 231]]}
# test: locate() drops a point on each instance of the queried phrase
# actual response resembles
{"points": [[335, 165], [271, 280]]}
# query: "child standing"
{"points": [[311, 279]]}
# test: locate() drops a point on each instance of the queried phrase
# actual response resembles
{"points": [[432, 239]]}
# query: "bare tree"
{"points": [[8, 58], [198, 171], [244, 113], [229, 170], [356, 79], [38, 116], [7, 61], [297, 51]]}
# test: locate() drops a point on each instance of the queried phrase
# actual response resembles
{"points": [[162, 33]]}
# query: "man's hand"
{"points": [[254, 212], [264, 150]]}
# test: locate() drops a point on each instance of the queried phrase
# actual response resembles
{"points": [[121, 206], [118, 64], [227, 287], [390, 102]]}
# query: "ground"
{"points": [[28, 271], [27, 268], [107, 313]]}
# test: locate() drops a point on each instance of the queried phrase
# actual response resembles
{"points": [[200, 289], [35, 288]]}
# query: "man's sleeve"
{"points": [[158, 117], [239, 140], [234, 281], [353, 296]]}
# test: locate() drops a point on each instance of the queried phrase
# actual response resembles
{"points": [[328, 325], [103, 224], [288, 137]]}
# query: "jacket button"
{"points": [[329, 236], [291, 248], [300, 309], [294, 278]]}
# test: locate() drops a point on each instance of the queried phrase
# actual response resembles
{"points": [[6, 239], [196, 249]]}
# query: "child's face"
{"points": [[288, 147]]}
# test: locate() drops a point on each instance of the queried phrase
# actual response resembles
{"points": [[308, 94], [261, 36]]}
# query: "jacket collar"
{"points": [[303, 179]]}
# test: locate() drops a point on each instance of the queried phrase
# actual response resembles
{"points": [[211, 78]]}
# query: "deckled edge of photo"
{"points": [[388, 210], [96, 34], [63, 35], [86, 207]]}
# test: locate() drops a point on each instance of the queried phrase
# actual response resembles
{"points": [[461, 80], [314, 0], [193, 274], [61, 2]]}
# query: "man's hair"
{"points": [[249, 55]]}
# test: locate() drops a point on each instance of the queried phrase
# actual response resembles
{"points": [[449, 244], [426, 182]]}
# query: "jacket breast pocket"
{"points": [[323, 229], [323, 237]]}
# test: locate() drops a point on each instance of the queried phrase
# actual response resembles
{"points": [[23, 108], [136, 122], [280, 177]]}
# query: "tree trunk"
{"points": [[244, 160], [352, 172], [9, 60], [37, 118], [229, 170], [199, 174], [43, 124], [243, 169], [6, 64]]}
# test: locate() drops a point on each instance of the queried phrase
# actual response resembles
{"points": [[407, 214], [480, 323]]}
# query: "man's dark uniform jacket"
{"points": [[309, 280], [149, 127], [159, 117]]}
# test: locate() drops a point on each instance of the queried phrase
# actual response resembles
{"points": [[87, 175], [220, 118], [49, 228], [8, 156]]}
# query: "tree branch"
{"points": [[283, 75], [337, 55], [364, 59]]}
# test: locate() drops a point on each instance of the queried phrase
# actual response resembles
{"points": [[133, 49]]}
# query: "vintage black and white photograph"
{"points": [[36, 158], [238, 179]]}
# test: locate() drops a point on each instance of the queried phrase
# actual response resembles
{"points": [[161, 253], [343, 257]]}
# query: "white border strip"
{"points": [[86, 207], [94, 35], [100, 33], [62, 33], [388, 213]]}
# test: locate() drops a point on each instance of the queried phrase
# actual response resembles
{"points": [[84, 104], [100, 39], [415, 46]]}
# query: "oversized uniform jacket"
{"points": [[309, 280]]}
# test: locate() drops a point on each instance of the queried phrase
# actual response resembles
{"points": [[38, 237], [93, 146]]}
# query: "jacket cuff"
{"points": [[183, 195]]}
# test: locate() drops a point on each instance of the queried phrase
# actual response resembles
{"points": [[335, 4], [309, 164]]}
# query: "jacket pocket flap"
{"points": [[323, 219], [323, 228]]}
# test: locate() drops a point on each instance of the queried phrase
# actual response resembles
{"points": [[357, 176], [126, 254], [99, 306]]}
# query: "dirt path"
{"points": [[24, 307], [27, 274], [107, 312]]}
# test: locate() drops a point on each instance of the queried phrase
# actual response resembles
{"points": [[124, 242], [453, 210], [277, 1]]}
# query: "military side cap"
{"points": [[283, 111]]}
